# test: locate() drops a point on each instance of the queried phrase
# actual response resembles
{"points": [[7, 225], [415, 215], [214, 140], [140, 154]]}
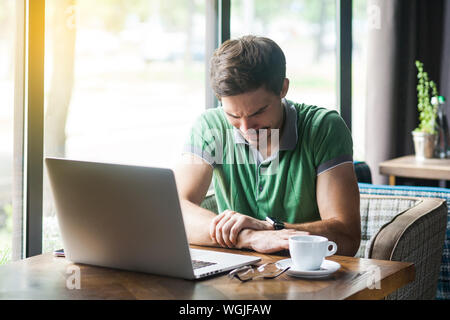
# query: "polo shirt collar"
{"points": [[289, 138]]}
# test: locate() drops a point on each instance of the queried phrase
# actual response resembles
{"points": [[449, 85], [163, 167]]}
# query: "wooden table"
{"points": [[409, 167], [46, 277]]}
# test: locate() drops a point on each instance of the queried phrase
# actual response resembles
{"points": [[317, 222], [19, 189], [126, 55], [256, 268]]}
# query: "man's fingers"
{"points": [[218, 230], [275, 247], [214, 222], [234, 232], [293, 232], [226, 229]]}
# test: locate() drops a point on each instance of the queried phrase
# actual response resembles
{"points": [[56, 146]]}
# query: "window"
{"points": [[7, 40], [124, 83], [359, 75], [306, 32]]}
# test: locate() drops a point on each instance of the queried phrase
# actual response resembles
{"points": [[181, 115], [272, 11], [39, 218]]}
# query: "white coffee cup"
{"points": [[308, 251]]}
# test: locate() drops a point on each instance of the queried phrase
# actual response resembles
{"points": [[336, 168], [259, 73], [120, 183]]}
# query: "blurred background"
{"points": [[125, 79]]}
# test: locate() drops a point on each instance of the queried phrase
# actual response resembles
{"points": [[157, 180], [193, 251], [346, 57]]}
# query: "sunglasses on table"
{"points": [[265, 271]]}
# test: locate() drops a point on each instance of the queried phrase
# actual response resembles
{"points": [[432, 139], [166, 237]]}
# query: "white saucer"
{"points": [[327, 268]]}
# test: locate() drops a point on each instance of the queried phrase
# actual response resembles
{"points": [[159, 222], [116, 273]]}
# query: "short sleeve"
{"points": [[205, 141], [332, 142]]}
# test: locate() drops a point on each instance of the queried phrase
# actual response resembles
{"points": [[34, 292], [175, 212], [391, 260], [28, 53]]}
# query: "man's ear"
{"points": [[285, 88]]}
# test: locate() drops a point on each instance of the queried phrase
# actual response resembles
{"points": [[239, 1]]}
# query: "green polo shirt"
{"points": [[283, 185]]}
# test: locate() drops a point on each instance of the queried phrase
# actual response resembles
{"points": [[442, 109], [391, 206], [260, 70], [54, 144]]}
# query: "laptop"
{"points": [[128, 217]]}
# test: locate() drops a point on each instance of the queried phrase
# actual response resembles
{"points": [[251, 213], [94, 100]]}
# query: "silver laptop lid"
{"points": [[120, 216]]}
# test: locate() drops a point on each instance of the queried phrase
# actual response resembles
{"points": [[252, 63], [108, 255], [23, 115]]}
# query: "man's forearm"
{"points": [[244, 240], [197, 221], [348, 241]]}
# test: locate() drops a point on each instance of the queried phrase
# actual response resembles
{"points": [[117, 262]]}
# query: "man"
{"points": [[268, 157]]}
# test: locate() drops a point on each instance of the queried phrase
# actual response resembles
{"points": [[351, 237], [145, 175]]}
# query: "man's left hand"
{"points": [[225, 228]]}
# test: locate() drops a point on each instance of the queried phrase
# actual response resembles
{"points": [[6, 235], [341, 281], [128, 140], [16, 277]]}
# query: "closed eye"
{"points": [[233, 116], [261, 110]]}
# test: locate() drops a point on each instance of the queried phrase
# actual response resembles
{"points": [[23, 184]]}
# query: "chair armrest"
{"points": [[417, 235], [443, 291]]}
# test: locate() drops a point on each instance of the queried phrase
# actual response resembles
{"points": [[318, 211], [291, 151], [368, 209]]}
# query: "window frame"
{"points": [[34, 126], [18, 245], [344, 13], [217, 32], [29, 105]]}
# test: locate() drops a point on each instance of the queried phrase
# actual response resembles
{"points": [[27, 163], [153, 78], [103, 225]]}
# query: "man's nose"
{"points": [[245, 125]]}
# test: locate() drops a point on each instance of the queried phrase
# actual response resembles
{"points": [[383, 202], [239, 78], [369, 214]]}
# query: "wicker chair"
{"points": [[408, 229], [443, 287], [411, 229]]}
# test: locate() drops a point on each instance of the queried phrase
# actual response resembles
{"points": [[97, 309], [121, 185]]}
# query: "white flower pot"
{"points": [[424, 145]]}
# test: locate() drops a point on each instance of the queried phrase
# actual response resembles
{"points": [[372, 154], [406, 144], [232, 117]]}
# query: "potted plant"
{"points": [[425, 135]]}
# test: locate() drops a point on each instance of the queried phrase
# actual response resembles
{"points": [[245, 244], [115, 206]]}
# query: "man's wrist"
{"points": [[290, 226], [267, 225], [245, 239], [276, 224]]}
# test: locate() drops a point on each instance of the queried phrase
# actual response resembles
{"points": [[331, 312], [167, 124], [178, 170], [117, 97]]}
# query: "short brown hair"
{"points": [[245, 64]]}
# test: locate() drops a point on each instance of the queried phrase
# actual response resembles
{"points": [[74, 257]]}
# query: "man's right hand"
{"points": [[268, 241]]}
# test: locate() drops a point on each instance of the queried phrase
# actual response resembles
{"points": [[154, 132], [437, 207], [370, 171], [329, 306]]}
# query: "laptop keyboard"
{"points": [[196, 264]]}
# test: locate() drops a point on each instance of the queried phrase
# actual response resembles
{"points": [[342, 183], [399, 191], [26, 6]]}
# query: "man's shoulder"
{"points": [[318, 124], [312, 115], [213, 118]]}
